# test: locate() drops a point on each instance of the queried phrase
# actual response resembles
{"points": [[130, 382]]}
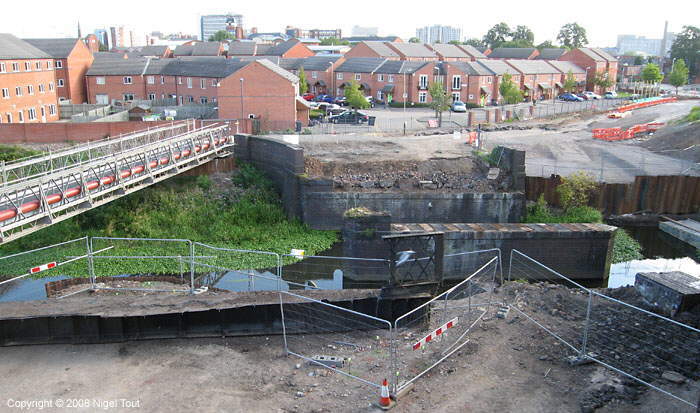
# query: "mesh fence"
{"points": [[23, 275], [335, 273], [430, 333], [340, 339]]}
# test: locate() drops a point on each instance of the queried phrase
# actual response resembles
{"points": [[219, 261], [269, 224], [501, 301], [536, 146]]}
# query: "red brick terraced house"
{"points": [[242, 89], [553, 53], [537, 78], [199, 49], [27, 83], [498, 68], [449, 52], [387, 79], [319, 71], [414, 52], [564, 68], [593, 61], [470, 82], [72, 59], [376, 49]]}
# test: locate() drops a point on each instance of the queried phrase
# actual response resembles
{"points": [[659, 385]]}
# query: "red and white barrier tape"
{"points": [[435, 334], [41, 268]]}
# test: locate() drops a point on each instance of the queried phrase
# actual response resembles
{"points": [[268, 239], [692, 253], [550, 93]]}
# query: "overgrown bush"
{"points": [[626, 248], [11, 152], [694, 115], [575, 190]]}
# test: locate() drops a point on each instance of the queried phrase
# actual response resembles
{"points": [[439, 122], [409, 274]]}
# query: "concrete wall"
{"points": [[65, 131], [316, 203]]}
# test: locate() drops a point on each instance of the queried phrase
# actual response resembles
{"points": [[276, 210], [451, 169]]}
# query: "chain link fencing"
{"points": [[432, 332], [335, 273]]}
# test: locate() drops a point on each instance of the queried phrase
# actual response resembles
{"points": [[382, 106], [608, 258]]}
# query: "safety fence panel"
{"points": [[457, 264], [536, 295], [236, 269], [140, 265], [644, 346], [343, 340], [23, 275], [335, 273], [432, 332]]}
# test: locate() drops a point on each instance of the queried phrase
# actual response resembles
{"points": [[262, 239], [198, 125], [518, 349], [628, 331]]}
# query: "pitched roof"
{"points": [[12, 47], [218, 68], [357, 39], [56, 48], [285, 74], [281, 48], [360, 64], [511, 52], [183, 50], [206, 49], [471, 68], [381, 48], [117, 67], [400, 67], [564, 66], [605, 55], [551, 53], [590, 53], [472, 51], [413, 49], [448, 50], [150, 51], [242, 48], [108, 55], [308, 63], [531, 66], [497, 67]]}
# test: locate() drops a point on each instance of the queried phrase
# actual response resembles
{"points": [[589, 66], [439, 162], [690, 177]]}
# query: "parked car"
{"points": [[340, 100], [458, 106], [570, 97], [327, 107], [588, 95], [610, 95], [324, 99], [308, 96], [349, 116]]}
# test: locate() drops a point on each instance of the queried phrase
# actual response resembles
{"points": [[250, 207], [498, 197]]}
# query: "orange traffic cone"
{"points": [[385, 402]]}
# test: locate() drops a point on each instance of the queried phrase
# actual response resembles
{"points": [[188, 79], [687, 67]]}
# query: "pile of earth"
{"points": [[679, 141]]}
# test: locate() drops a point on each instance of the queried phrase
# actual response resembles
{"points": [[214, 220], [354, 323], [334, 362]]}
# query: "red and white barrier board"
{"points": [[435, 334], [41, 268]]}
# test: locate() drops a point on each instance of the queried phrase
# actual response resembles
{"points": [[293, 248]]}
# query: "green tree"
{"points": [[524, 35], [475, 42], [569, 82], [687, 47], [652, 73], [333, 41], [547, 44], [575, 190], [572, 35], [510, 92], [497, 35], [638, 60], [516, 43], [455, 42], [303, 84], [102, 47], [354, 98], [602, 80], [221, 35], [679, 74], [440, 100], [414, 40]]}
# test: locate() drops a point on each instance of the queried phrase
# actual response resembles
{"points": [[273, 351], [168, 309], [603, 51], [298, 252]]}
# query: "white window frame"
{"points": [[27, 66], [358, 76], [30, 90], [3, 68], [59, 64], [100, 80], [52, 109], [60, 82], [380, 77], [203, 100], [32, 113], [151, 96], [151, 80], [127, 80], [162, 80], [18, 91], [422, 97], [42, 88], [314, 75], [37, 66], [20, 118], [456, 82], [51, 86], [179, 80], [213, 83], [128, 94], [202, 83], [5, 93], [189, 83], [8, 116], [339, 76], [390, 79], [489, 79], [49, 64], [380, 95], [190, 99], [15, 67], [456, 96], [423, 82]]}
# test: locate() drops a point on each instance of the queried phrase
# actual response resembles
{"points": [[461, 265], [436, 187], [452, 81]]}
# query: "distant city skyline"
{"points": [[56, 20]]}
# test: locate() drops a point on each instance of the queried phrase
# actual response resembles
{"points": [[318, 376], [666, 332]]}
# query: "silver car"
{"points": [[458, 106]]}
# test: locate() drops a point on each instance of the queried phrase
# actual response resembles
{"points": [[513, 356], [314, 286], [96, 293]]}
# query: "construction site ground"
{"points": [[508, 365], [563, 145]]}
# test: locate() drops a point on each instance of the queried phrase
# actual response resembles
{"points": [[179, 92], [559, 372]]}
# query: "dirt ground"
{"points": [[508, 365]]}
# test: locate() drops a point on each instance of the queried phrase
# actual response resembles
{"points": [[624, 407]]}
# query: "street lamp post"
{"points": [[585, 87]]}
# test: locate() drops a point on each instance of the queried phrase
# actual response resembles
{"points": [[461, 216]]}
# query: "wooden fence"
{"points": [[676, 194]]}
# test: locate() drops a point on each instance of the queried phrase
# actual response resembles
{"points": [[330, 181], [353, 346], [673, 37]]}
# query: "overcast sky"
{"points": [[603, 20]]}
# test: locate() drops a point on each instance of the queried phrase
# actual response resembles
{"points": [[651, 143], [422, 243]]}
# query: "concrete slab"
{"points": [[670, 292], [686, 230]]}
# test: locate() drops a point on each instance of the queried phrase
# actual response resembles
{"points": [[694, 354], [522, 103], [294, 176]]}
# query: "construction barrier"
{"points": [[644, 103], [617, 134]]}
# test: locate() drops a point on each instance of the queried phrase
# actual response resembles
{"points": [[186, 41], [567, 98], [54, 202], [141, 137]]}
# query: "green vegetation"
{"points": [[10, 152], [396, 104], [354, 97], [316, 113], [333, 41], [687, 47], [248, 216], [651, 73], [221, 35], [414, 40], [303, 84], [572, 36], [679, 74], [574, 194], [510, 93], [440, 102], [693, 115], [491, 158], [569, 82], [602, 80]]}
